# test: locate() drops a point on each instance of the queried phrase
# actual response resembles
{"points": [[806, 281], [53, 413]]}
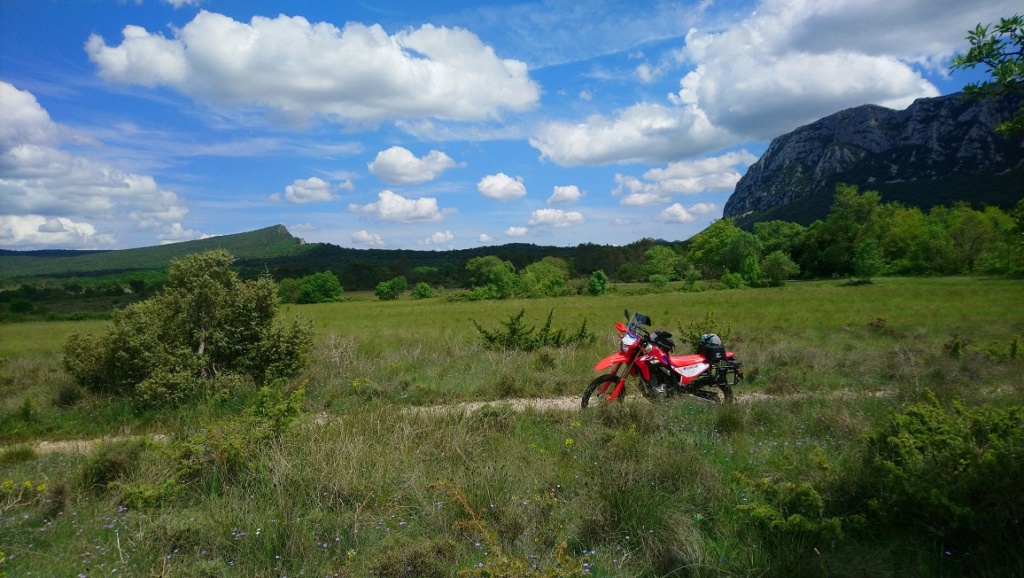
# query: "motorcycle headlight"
{"points": [[627, 342]]}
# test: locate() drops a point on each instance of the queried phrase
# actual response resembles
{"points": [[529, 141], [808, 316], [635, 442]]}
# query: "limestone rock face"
{"points": [[933, 139]]}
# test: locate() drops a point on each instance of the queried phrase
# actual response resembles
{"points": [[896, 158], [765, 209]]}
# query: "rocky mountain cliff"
{"points": [[937, 151]]}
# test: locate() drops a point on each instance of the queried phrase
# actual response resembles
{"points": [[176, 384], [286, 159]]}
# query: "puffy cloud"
{"points": [[501, 187], [40, 231], [301, 69], [676, 213], [789, 63], [644, 132], [397, 165], [567, 194], [710, 174], [313, 189], [556, 218], [71, 193], [23, 121], [516, 231], [367, 238], [176, 234], [440, 239], [394, 207], [485, 238], [768, 74]]}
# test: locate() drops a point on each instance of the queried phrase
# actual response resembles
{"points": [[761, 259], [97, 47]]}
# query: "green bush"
{"points": [[391, 290], [598, 283], [422, 290], [206, 323], [957, 471], [516, 336]]}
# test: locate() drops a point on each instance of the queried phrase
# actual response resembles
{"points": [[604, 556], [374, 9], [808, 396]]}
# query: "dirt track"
{"points": [[565, 403]]}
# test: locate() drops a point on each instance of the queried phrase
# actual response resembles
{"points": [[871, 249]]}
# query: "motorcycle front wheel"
{"points": [[593, 395]]}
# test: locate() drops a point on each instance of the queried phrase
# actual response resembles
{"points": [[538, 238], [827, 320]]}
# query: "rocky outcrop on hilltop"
{"points": [[934, 139]]}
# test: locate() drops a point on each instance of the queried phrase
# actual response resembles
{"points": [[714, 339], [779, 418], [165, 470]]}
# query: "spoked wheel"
{"points": [[593, 395]]}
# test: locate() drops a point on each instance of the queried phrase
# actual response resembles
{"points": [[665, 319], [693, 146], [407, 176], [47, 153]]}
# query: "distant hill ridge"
{"points": [[270, 242], [937, 151]]}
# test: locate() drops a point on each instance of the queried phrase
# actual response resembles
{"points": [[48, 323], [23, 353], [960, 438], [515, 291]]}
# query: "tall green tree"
{"points": [[706, 247], [322, 287], [491, 271], [662, 261], [1000, 49], [545, 278]]}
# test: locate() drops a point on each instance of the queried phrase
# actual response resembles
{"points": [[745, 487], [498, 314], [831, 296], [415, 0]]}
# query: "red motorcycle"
{"points": [[646, 359]]}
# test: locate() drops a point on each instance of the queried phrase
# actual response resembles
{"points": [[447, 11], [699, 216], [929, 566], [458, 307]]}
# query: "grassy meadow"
{"points": [[370, 479]]}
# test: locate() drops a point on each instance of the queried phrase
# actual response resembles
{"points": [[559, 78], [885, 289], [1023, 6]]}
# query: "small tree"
{"points": [[323, 287], [778, 266], [392, 289], [422, 290], [598, 283], [663, 262], [207, 325]]}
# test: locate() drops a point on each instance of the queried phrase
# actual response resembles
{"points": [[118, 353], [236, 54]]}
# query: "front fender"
{"points": [[613, 359]]}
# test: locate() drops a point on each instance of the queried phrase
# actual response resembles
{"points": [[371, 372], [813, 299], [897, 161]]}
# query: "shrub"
{"points": [[111, 462], [957, 471], [391, 290], [732, 280], [598, 283], [323, 287], [519, 337], [205, 324], [422, 290]]}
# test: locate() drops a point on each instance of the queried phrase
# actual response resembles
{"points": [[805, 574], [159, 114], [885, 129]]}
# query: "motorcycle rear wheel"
{"points": [[589, 397]]}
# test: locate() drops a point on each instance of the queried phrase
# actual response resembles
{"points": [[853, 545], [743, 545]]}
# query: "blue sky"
{"points": [[429, 125]]}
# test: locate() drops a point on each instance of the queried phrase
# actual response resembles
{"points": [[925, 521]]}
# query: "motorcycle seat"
{"points": [[684, 360]]}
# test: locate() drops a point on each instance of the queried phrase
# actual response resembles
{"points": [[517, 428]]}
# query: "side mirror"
{"points": [[626, 313]]}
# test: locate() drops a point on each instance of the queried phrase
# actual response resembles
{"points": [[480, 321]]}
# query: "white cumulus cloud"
{"points": [[556, 218], [440, 239], [644, 132], [788, 63], [516, 231], [501, 187], [394, 207], [40, 231], [367, 238], [561, 195], [311, 190], [397, 165], [303, 69], [676, 213], [704, 175], [88, 198]]}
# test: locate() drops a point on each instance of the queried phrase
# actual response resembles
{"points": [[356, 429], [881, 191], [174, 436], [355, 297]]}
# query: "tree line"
{"points": [[862, 237]]}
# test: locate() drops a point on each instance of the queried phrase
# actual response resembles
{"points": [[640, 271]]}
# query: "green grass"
{"points": [[364, 484]]}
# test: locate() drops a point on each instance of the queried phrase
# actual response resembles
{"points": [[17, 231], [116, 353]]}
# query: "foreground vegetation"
{"points": [[829, 466]]}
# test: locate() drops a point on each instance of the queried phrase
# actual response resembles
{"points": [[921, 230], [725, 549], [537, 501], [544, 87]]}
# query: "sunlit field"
{"points": [[382, 473]]}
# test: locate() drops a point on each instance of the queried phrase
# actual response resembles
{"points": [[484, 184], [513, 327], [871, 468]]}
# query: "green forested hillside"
{"points": [[265, 243]]}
